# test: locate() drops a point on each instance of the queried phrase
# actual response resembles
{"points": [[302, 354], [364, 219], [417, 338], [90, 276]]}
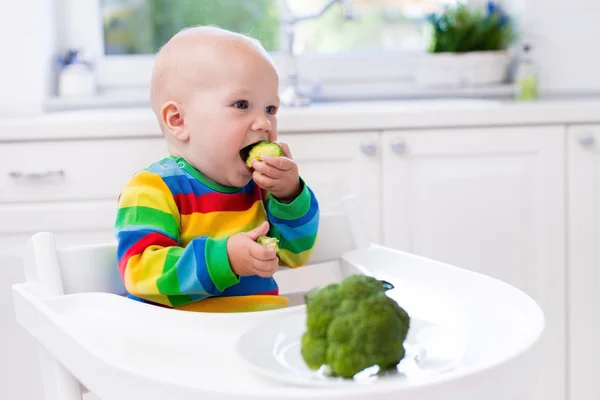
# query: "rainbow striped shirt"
{"points": [[172, 227]]}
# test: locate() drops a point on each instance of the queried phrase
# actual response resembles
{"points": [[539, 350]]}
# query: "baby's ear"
{"points": [[172, 119]]}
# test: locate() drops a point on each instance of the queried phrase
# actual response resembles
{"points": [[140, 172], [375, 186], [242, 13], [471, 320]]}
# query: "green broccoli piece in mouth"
{"points": [[263, 147], [354, 325], [268, 242]]}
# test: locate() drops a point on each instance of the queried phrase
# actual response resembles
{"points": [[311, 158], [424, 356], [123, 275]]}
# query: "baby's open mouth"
{"points": [[245, 152]]}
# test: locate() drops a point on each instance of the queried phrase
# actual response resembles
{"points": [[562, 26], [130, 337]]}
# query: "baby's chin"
{"points": [[234, 175], [238, 179], [239, 183]]}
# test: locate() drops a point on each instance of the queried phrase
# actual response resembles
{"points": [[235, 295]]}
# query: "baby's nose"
{"points": [[262, 124]]}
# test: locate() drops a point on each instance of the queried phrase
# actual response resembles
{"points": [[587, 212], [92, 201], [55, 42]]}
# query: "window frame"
{"points": [[348, 75]]}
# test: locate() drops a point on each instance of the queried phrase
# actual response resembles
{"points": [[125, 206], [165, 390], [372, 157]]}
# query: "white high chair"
{"points": [[93, 338]]}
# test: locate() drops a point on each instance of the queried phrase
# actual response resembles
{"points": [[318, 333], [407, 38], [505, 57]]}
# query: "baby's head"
{"points": [[215, 92]]}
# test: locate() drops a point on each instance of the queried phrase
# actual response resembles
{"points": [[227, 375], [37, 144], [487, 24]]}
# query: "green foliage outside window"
{"points": [[142, 27]]}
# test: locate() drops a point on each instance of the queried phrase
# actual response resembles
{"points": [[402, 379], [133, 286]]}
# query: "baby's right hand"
{"points": [[247, 257]]}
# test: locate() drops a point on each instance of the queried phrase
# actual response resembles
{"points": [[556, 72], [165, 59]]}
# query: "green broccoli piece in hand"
{"points": [[263, 147], [353, 325], [268, 242]]}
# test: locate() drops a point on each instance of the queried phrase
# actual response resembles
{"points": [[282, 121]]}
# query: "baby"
{"points": [[187, 225]]}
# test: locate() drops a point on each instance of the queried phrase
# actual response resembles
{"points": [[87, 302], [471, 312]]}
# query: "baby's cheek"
{"points": [[273, 135]]}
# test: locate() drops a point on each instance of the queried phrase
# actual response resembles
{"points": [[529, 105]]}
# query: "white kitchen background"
{"points": [[464, 175]]}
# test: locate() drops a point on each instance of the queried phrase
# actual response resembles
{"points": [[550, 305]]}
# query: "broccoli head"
{"points": [[353, 325], [263, 147], [268, 242]]}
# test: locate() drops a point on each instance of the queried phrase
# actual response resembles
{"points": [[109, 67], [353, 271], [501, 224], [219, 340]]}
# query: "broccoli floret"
{"points": [[268, 242], [263, 147], [353, 325]]}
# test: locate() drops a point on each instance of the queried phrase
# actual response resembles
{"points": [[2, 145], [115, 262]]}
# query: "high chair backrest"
{"points": [[93, 268]]}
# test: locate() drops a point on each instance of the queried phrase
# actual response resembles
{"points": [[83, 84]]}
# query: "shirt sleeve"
{"points": [[152, 263], [295, 225]]}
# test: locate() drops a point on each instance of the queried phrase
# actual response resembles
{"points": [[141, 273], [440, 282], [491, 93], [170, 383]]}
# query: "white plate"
{"points": [[273, 350]]}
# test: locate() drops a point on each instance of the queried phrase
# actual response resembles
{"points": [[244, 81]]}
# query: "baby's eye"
{"points": [[242, 104], [271, 110]]}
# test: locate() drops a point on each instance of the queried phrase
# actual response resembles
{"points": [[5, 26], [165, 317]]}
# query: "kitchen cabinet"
{"points": [[583, 166], [335, 165], [74, 170], [74, 224], [19, 372], [67, 187], [490, 200], [71, 188]]}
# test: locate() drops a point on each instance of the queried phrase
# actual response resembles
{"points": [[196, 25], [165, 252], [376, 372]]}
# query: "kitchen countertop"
{"points": [[339, 116]]}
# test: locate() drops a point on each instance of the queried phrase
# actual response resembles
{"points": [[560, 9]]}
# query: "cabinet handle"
{"points": [[368, 148], [35, 176], [587, 140], [398, 146]]}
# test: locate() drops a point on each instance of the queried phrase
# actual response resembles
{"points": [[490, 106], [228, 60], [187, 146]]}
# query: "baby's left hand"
{"points": [[278, 175]]}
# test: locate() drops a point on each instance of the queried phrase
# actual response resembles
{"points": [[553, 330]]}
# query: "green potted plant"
{"points": [[468, 46]]}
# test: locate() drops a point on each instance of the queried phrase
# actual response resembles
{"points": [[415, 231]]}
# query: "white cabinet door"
{"points": [[490, 200], [20, 377], [74, 224], [584, 261], [335, 165]]}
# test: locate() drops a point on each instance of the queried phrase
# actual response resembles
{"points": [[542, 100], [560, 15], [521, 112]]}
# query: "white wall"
{"points": [[26, 46], [566, 43]]}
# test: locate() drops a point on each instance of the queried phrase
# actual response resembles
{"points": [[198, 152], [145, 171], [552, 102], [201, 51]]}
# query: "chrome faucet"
{"points": [[292, 95]]}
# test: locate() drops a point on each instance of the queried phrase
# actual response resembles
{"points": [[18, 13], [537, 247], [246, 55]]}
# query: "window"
{"points": [[373, 51], [142, 26]]}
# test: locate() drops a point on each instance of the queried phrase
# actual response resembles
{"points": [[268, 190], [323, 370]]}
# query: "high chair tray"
{"points": [[122, 349]]}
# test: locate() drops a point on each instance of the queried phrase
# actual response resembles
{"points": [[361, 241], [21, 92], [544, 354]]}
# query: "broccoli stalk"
{"points": [[268, 242], [263, 147], [353, 325]]}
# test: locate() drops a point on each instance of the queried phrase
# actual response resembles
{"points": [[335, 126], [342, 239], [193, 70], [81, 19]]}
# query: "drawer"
{"points": [[25, 219], [73, 170], [72, 222]]}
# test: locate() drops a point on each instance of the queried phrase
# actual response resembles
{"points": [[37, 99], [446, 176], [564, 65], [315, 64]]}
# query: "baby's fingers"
{"points": [[264, 181], [286, 149], [266, 268], [261, 253], [280, 163], [267, 169]]}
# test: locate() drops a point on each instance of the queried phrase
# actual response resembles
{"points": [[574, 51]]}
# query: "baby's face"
{"points": [[238, 108]]}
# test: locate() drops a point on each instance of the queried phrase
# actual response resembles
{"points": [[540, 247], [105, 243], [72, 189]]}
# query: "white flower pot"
{"points": [[462, 69], [76, 80]]}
